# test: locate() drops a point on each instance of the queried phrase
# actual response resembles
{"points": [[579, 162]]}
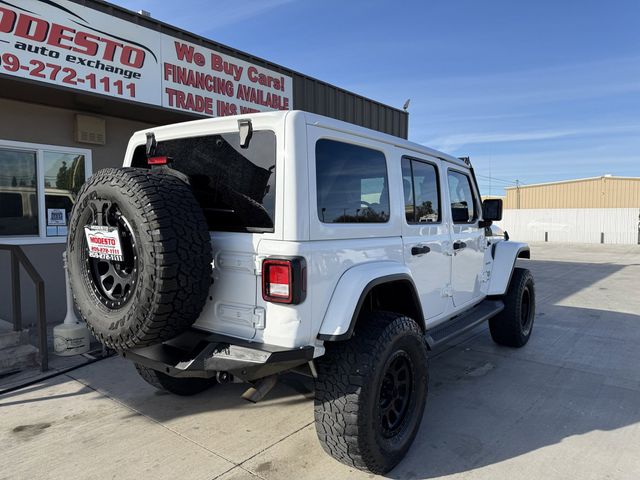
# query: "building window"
{"points": [[38, 187], [18, 205], [421, 191], [463, 204], [352, 183]]}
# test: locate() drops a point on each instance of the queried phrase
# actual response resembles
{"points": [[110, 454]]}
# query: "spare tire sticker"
{"points": [[104, 243]]}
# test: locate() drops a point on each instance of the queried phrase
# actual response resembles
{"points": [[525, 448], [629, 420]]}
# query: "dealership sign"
{"points": [[63, 43]]}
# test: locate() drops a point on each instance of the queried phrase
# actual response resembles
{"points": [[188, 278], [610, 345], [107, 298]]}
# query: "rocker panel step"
{"points": [[463, 322]]}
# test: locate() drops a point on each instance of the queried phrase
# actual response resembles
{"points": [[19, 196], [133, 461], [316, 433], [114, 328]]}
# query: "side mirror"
{"points": [[492, 209]]}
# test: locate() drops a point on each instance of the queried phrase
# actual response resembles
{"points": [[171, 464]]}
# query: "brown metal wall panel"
{"points": [[318, 97], [366, 114], [397, 124], [341, 108], [382, 115], [377, 118], [603, 192], [367, 120], [376, 113], [350, 104], [357, 110]]}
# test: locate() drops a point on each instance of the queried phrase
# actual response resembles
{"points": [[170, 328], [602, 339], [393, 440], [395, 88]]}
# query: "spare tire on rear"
{"points": [[158, 286]]}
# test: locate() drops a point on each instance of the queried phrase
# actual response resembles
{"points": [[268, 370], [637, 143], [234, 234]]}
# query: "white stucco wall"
{"points": [[580, 225]]}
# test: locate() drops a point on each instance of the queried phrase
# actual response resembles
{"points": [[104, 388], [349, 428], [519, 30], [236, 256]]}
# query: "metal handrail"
{"points": [[18, 258]]}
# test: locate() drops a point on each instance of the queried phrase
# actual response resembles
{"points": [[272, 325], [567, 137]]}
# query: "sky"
{"points": [[531, 91]]}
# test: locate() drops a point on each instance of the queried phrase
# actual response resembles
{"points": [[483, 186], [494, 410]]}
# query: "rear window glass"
{"points": [[352, 183], [235, 186]]}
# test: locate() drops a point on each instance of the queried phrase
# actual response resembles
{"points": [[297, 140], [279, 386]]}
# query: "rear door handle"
{"points": [[458, 245], [420, 250]]}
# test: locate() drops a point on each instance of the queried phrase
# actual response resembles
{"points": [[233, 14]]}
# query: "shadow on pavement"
{"points": [[486, 405], [123, 384], [578, 374], [558, 280]]}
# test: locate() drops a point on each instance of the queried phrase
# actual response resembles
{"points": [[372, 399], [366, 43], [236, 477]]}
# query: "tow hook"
{"points": [[260, 388]]}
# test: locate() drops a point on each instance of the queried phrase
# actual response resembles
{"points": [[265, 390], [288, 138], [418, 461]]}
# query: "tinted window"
{"points": [[18, 214], [10, 205], [22, 171], [236, 187], [421, 192], [352, 183], [463, 206], [63, 176], [59, 201]]}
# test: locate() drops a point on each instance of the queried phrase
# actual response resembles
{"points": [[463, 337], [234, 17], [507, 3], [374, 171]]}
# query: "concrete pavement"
{"points": [[565, 406]]}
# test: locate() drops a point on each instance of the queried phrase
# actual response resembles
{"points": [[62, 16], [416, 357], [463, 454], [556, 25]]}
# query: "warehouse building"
{"points": [[77, 78], [602, 209]]}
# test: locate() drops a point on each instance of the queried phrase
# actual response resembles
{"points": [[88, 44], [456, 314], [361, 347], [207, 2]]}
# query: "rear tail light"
{"points": [[283, 280], [158, 160]]}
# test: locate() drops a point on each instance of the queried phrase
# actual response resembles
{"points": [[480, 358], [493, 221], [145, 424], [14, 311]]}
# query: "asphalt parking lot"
{"points": [[565, 406]]}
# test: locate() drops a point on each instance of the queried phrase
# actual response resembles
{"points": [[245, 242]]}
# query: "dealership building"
{"points": [[77, 78]]}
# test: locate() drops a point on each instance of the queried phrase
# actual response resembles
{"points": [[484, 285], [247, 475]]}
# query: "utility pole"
{"points": [[518, 193]]}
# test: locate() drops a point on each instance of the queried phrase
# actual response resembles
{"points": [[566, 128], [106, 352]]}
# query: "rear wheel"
{"points": [[186, 386], [513, 326], [371, 392]]}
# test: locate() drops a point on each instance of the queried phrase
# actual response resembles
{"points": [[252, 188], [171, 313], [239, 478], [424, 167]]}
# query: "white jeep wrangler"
{"points": [[238, 248]]}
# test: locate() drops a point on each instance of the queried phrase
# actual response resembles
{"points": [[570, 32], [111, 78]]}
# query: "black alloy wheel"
{"points": [[113, 281], [395, 393]]}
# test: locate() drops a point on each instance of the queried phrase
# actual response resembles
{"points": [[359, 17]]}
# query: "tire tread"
{"points": [[344, 377], [505, 327], [179, 256]]}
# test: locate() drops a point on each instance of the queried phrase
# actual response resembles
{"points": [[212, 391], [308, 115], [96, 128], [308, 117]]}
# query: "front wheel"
{"points": [[512, 327], [371, 392]]}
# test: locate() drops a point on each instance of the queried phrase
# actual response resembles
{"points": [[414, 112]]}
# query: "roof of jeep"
{"points": [[332, 123], [325, 122]]}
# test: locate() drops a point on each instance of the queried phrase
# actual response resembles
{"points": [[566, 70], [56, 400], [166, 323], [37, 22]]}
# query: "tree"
{"points": [[71, 179]]}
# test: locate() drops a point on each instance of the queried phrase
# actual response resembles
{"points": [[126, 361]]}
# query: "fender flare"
{"points": [[351, 291], [505, 255]]}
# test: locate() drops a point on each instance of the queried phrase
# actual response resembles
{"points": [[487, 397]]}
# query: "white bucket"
{"points": [[71, 339]]}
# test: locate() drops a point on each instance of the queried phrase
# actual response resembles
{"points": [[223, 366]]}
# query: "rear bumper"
{"points": [[201, 354]]}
